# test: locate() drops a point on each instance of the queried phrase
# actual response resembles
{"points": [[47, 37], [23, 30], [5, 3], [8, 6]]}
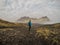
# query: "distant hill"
{"points": [[34, 20], [4, 23]]}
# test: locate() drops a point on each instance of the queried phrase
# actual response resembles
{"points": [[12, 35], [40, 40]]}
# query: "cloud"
{"points": [[14, 9]]}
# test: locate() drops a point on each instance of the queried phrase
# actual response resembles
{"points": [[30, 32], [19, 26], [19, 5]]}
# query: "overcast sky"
{"points": [[14, 9]]}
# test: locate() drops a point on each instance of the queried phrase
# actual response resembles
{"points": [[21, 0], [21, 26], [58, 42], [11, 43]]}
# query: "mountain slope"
{"points": [[4, 23]]}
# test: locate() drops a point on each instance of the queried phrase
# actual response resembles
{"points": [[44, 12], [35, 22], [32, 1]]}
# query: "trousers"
{"points": [[29, 28]]}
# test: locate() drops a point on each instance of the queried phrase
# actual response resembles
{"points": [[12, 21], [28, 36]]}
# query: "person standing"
{"points": [[29, 24]]}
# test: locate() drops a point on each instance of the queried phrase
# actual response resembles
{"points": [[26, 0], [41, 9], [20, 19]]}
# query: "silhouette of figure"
{"points": [[29, 24]]}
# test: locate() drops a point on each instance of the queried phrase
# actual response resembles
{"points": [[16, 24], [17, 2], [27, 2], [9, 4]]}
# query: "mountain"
{"points": [[4, 23], [34, 20]]}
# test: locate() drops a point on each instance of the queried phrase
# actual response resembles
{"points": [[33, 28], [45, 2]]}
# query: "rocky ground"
{"points": [[38, 35]]}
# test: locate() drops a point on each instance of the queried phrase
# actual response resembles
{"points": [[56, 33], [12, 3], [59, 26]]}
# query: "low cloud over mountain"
{"points": [[34, 20]]}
